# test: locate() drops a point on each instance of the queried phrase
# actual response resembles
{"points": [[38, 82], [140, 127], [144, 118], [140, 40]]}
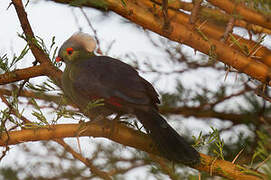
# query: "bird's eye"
{"points": [[69, 51]]}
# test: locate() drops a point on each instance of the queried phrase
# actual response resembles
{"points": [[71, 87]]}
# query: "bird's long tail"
{"points": [[170, 144]]}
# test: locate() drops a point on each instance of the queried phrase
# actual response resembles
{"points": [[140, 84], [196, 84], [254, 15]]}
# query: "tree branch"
{"points": [[214, 14], [87, 162], [215, 31], [127, 137], [22, 74], [38, 53], [195, 11], [208, 113], [186, 35], [246, 13], [76, 155]]}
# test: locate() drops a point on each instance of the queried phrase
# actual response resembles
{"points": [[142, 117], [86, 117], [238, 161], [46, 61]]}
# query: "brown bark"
{"points": [[38, 53], [21, 74], [127, 137], [186, 35], [216, 31], [246, 13], [215, 15]]}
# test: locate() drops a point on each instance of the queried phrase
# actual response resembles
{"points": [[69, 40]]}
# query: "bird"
{"points": [[88, 77]]}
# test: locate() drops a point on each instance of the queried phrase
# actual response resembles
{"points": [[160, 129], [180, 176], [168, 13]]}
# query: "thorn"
{"points": [[79, 146], [202, 24], [262, 163], [227, 73], [236, 74], [233, 161]]}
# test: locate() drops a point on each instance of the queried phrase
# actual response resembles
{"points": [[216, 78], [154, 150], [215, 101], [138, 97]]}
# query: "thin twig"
{"points": [[228, 30], [94, 31], [165, 166], [87, 162], [233, 161], [195, 11], [263, 162], [166, 26], [59, 141]]}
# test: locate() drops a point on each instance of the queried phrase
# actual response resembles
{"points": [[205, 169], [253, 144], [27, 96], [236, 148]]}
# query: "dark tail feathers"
{"points": [[170, 144]]}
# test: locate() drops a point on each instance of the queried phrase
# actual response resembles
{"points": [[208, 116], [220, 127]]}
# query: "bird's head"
{"points": [[79, 45]]}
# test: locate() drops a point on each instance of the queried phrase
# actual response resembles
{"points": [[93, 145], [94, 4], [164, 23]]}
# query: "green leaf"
{"points": [[40, 117]]}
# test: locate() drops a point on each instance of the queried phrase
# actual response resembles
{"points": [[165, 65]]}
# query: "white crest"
{"points": [[83, 39]]}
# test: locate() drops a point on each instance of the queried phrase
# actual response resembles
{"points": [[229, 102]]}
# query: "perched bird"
{"points": [[88, 77]]}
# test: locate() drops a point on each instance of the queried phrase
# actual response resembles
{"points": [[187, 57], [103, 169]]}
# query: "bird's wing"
{"points": [[105, 77]]}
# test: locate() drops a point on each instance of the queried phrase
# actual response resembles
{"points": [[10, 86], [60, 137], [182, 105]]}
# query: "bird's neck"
{"points": [[83, 56], [86, 55]]}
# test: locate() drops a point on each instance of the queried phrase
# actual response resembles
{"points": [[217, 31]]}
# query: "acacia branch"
{"points": [[38, 53], [46, 68], [215, 15], [215, 31], [186, 35], [228, 30], [166, 26], [76, 155], [246, 13], [126, 136], [22, 74], [195, 11]]}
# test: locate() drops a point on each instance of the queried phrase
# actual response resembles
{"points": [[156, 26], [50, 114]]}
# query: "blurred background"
{"points": [[215, 107]]}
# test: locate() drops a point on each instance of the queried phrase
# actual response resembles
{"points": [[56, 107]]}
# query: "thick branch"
{"points": [[76, 155], [215, 31], [187, 36], [246, 13], [127, 137], [21, 74], [38, 53], [183, 34], [215, 15]]}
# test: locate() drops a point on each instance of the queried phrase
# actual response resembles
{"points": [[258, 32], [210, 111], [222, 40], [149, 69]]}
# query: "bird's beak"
{"points": [[58, 59]]}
